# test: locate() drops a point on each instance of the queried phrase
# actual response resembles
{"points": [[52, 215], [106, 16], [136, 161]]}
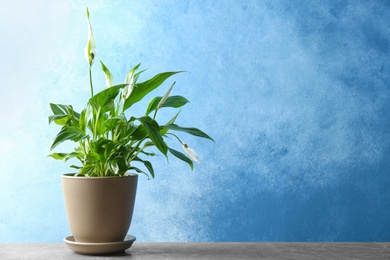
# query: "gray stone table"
{"points": [[267, 250]]}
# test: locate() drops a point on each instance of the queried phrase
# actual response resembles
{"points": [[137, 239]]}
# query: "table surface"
{"points": [[169, 250]]}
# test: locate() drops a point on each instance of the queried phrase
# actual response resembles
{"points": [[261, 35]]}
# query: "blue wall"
{"points": [[295, 93]]}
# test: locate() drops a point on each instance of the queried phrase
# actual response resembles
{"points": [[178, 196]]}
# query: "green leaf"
{"points": [[93, 157], [99, 145], [138, 170], [166, 95], [63, 114], [153, 105], [164, 130], [132, 74], [136, 75], [59, 119], [173, 118], [105, 99], [87, 169], [147, 164], [97, 126], [58, 156], [67, 133], [83, 120], [59, 109], [65, 156], [125, 131], [107, 74], [189, 130], [173, 101], [139, 133], [153, 131], [76, 154], [182, 157], [142, 89], [118, 165], [112, 122]]}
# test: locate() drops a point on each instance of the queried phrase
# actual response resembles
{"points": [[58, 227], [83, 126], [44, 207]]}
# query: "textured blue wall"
{"points": [[295, 93]]}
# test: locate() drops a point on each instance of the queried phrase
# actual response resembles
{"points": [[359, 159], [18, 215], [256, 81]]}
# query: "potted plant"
{"points": [[112, 148]]}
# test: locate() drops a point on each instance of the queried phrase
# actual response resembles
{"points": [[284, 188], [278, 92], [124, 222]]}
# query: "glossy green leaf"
{"points": [[173, 119], [99, 145], [88, 169], [67, 133], [139, 133], [166, 95], [152, 105], [99, 128], [182, 157], [93, 157], [142, 89], [173, 101], [75, 154], [163, 129], [63, 114], [136, 75], [138, 170], [59, 119], [65, 156], [153, 131], [83, 120], [105, 99], [59, 109], [112, 122], [147, 164], [58, 156], [189, 130], [118, 165]]}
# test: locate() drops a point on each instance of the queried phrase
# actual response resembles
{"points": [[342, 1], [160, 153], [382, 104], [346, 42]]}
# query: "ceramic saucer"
{"points": [[99, 248]]}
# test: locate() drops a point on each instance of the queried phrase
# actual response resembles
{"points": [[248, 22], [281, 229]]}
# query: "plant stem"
{"points": [[90, 80], [176, 137], [135, 148], [155, 113], [96, 124]]}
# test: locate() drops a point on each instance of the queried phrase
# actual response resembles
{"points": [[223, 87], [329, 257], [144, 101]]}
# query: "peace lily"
{"points": [[164, 98], [90, 48], [190, 152], [110, 141]]}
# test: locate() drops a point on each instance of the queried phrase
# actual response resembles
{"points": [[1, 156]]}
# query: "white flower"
{"points": [[90, 48], [164, 98], [130, 85], [190, 152]]}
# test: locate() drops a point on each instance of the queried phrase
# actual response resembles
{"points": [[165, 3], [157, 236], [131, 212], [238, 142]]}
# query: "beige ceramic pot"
{"points": [[99, 209]]}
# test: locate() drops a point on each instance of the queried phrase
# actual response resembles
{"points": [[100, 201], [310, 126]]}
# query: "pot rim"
{"points": [[71, 176]]}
